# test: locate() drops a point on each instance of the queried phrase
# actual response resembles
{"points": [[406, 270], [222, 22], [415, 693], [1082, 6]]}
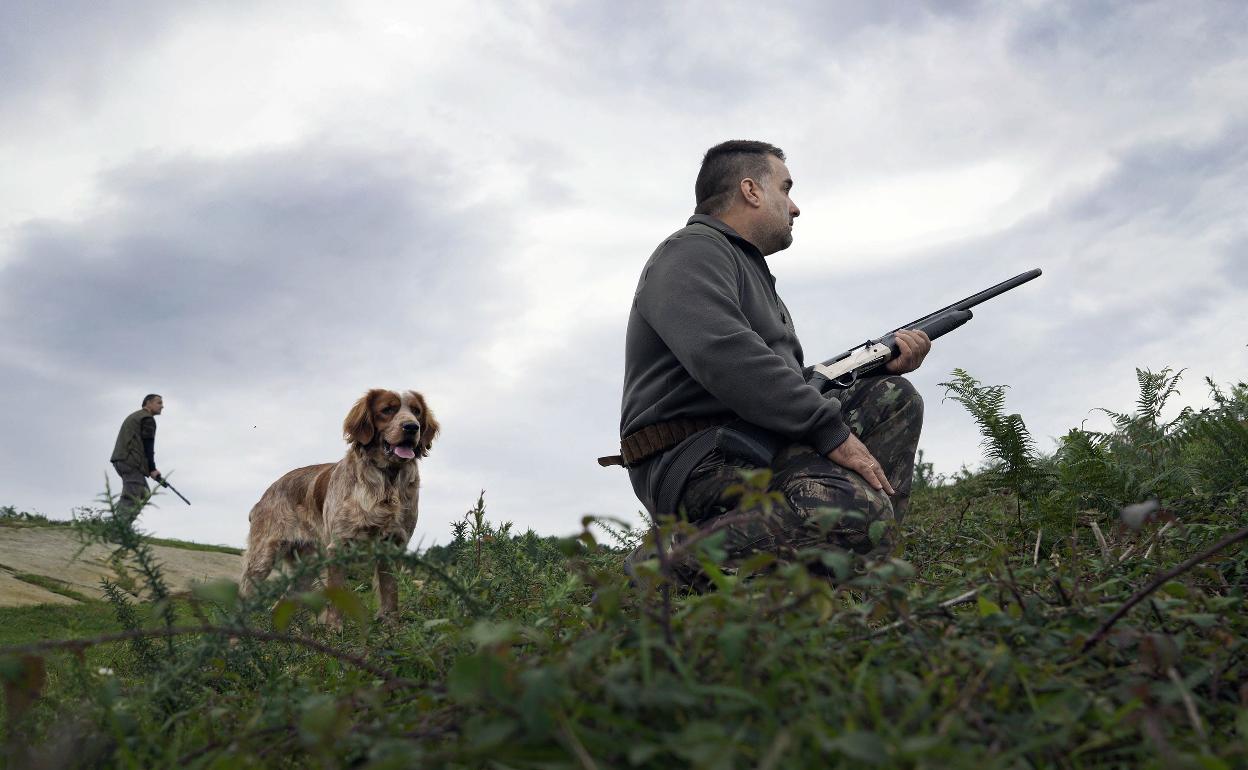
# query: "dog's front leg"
{"points": [[387, 591], [335, 577]]}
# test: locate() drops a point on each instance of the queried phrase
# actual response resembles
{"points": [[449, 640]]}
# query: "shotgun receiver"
{"points": [[871, 355]]}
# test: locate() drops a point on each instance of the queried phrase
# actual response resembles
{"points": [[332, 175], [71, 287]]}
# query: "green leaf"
{"points": [[905, 569], [863, 746], [1174, 588], [712, 548], [987, 606], [732, 641], [476, 677], [756, 563], [283, 613], [313, 600], [221, 591], [348, 603], [487, 634], [640, 753], [541, 693], [483, 735], [876, 530], [920, 744], [569, 546], [318, 718], [838, 562], [1202, 619], [703, 744]]}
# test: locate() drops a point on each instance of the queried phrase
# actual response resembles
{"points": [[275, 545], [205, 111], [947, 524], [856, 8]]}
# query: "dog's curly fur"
{"points": [[370, 494]]}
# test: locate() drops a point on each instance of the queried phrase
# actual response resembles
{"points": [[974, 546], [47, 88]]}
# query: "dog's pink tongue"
{"points": [[406, 452]]}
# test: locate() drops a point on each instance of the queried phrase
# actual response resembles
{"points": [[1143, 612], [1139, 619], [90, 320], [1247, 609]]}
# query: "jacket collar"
{"points": [[733, 235]]}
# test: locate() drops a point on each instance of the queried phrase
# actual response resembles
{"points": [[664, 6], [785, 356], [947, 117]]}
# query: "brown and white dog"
{"points": [[370, 494]]}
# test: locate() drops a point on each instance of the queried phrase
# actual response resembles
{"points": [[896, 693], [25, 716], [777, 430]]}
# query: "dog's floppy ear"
{"points": [[429, 427], [358, 427]]}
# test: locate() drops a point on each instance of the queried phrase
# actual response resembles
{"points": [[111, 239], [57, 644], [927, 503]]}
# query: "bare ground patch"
{"points": [[57, 554]]}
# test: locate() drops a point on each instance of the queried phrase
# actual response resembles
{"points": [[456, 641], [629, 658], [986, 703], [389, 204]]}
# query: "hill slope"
{"points": [[48, 565]]}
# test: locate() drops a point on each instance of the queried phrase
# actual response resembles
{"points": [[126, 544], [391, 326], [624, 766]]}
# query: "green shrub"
{"points": [[966, 648]]}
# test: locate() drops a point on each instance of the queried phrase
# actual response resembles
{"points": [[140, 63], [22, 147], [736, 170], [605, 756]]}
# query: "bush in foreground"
{"points": [[988, 640]]}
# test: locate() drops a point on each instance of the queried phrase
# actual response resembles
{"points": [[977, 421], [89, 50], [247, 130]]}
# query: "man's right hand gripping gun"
{"points": [[871, 356]]}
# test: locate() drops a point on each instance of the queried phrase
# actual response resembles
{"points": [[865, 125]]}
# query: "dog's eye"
{"points": [[389, 410]]}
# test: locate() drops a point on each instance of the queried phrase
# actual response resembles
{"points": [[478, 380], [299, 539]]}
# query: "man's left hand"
{"points": [[912, 348]]}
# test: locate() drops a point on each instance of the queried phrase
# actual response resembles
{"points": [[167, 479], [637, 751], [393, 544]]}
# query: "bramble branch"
{"points": [[1158, 582]]}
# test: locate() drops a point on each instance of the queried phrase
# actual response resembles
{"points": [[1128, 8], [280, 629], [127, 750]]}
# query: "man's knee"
{"points": [[824, 495], [901, 395]]}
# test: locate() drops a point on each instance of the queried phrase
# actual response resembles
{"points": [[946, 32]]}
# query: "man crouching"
{"points": [[715, 382]]}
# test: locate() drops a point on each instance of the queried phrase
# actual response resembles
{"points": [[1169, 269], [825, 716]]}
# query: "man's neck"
{"points": [[739, 223]]}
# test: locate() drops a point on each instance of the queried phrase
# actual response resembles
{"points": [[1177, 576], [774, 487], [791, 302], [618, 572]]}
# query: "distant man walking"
{"points": [[134, 455], [715, 382]]}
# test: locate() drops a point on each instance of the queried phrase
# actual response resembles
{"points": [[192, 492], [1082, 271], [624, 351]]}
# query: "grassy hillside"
{"points": [[11, 517], [1025, 620]]}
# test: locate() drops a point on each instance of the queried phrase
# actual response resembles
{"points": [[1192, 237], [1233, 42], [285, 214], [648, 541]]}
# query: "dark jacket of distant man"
{"points": [[134, 453]]}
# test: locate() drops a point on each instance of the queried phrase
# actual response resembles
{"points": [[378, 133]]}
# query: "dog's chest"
{"points": [[368, 499], [384, 501]]}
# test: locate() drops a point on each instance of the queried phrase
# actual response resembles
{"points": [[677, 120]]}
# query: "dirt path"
{"points": [[50, 552]]}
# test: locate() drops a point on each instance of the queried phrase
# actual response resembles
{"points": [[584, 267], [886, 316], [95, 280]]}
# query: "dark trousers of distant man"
{"points": [[134, 489], [826, 506]]}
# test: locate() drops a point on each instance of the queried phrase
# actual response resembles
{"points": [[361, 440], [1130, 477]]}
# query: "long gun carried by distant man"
{"points": [[161, 480]]}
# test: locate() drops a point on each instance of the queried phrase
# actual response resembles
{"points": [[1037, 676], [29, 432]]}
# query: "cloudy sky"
{"points": [[260, 210]]}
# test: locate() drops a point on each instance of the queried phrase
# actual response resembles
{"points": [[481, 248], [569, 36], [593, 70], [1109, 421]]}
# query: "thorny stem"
{"points": [[1158, 582], [666, 588]]}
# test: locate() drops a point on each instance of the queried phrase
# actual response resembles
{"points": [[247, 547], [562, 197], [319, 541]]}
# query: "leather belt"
{"points": [[649, 441]]}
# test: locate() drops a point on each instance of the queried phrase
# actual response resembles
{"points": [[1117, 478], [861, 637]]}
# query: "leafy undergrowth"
{"points": [[991, 638]]}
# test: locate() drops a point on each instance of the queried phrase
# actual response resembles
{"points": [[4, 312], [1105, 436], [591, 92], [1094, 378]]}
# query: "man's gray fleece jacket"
{"points": [[708, 336]]}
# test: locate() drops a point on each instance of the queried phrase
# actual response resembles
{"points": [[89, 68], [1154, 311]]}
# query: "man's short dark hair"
{"points": [[723, 168], [148, 398]]}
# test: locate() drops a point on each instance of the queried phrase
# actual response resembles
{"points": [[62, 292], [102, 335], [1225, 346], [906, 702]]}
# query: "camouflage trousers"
{"points": [[886, 413]]}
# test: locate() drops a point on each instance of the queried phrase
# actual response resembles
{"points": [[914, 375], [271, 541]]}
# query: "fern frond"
{"points": [[1006, 441]]}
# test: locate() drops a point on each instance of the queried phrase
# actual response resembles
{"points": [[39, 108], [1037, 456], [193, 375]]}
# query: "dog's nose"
{"points": [[411, 427]]}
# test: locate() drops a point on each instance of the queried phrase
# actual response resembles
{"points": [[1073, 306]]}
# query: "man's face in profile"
{"points": [[779, 210]]}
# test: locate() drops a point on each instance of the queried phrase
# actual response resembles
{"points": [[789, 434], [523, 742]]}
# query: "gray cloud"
{"points": [[257, 263], [71, 46], [687, 55]]}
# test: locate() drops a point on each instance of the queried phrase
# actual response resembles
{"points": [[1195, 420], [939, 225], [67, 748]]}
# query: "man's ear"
{"points": [[752, 192], [358, 427]]}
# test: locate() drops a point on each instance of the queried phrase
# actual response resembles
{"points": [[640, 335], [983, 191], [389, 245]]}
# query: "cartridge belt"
{"points": [[649, 441]]}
